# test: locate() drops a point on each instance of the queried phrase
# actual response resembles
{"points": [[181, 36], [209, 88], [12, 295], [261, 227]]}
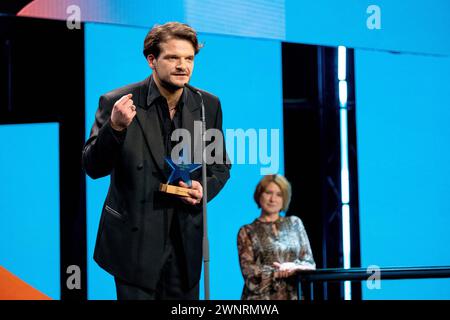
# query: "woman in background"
{"points": [[272, 249]]}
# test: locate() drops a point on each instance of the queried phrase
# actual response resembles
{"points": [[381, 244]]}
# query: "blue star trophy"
{"points": [[180, 170]]}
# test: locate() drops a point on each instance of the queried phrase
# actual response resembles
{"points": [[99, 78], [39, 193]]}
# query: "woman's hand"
{"points": [[287, 269], [284, 270]]}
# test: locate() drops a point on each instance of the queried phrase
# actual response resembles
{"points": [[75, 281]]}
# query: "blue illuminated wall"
{"points": [[29, 204], [250, 89], [412, 26], [403, 112]]}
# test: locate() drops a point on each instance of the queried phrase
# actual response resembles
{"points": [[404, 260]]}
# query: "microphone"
{"points": [[196, 91], [205, 239], [193, 89]]}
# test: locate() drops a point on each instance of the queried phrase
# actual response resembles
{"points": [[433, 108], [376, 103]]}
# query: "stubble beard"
{"points": [[170, 86]]}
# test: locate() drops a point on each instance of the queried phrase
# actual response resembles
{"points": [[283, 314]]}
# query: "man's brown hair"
{"points": [[169, 30]]}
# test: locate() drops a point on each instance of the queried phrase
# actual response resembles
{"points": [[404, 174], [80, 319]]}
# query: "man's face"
{"points": [[174, 65]]}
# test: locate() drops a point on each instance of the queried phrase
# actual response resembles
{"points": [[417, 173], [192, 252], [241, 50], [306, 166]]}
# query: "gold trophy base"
{"points": [[179, 191]]}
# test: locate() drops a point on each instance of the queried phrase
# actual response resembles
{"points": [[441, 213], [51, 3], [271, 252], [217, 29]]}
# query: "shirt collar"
{"points": [[153, 94]]}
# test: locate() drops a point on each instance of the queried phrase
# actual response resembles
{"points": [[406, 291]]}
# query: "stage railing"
{"points": [[307, 278]]}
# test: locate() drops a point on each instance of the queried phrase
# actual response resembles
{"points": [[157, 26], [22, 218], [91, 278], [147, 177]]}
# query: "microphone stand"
{"points": [[205, 197]]}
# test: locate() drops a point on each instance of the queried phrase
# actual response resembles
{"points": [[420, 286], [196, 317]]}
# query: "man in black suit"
{"points": [[151, 242]]}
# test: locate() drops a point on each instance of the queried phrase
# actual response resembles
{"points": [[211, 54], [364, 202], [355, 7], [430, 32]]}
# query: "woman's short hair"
{"points": [[281, 182], [169, 30]]}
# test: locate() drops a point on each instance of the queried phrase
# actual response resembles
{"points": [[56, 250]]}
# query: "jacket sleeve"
{"points": [[104, 144], [218, 173]]}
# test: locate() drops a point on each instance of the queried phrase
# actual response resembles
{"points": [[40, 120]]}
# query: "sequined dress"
{"points": [[260, 244]]}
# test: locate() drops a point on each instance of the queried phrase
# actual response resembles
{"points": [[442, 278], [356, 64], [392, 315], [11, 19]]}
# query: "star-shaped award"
{"points": [[181, 171]]}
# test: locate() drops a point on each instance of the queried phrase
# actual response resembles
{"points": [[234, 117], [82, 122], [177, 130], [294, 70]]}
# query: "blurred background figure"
{"points": [[272, 249]]}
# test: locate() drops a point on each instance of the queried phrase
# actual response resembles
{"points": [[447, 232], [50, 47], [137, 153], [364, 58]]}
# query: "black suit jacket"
{"points": [[130, 239]]}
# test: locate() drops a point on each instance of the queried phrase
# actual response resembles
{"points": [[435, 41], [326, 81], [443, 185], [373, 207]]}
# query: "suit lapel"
{"points": [[148, 120], [151, 128]]}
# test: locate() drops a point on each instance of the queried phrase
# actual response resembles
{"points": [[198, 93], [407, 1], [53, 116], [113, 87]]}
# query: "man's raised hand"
{"points": [[123, 113]]}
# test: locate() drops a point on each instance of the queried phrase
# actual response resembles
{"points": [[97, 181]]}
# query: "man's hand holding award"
{"points": [[191, 191]]}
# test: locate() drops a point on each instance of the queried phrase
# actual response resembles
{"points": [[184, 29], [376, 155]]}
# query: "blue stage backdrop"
{"points": [[29, 204], [403, 154], [250, 89]]}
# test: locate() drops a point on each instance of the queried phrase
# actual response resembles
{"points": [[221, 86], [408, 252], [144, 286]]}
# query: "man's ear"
{"points": [[151, 61]]}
